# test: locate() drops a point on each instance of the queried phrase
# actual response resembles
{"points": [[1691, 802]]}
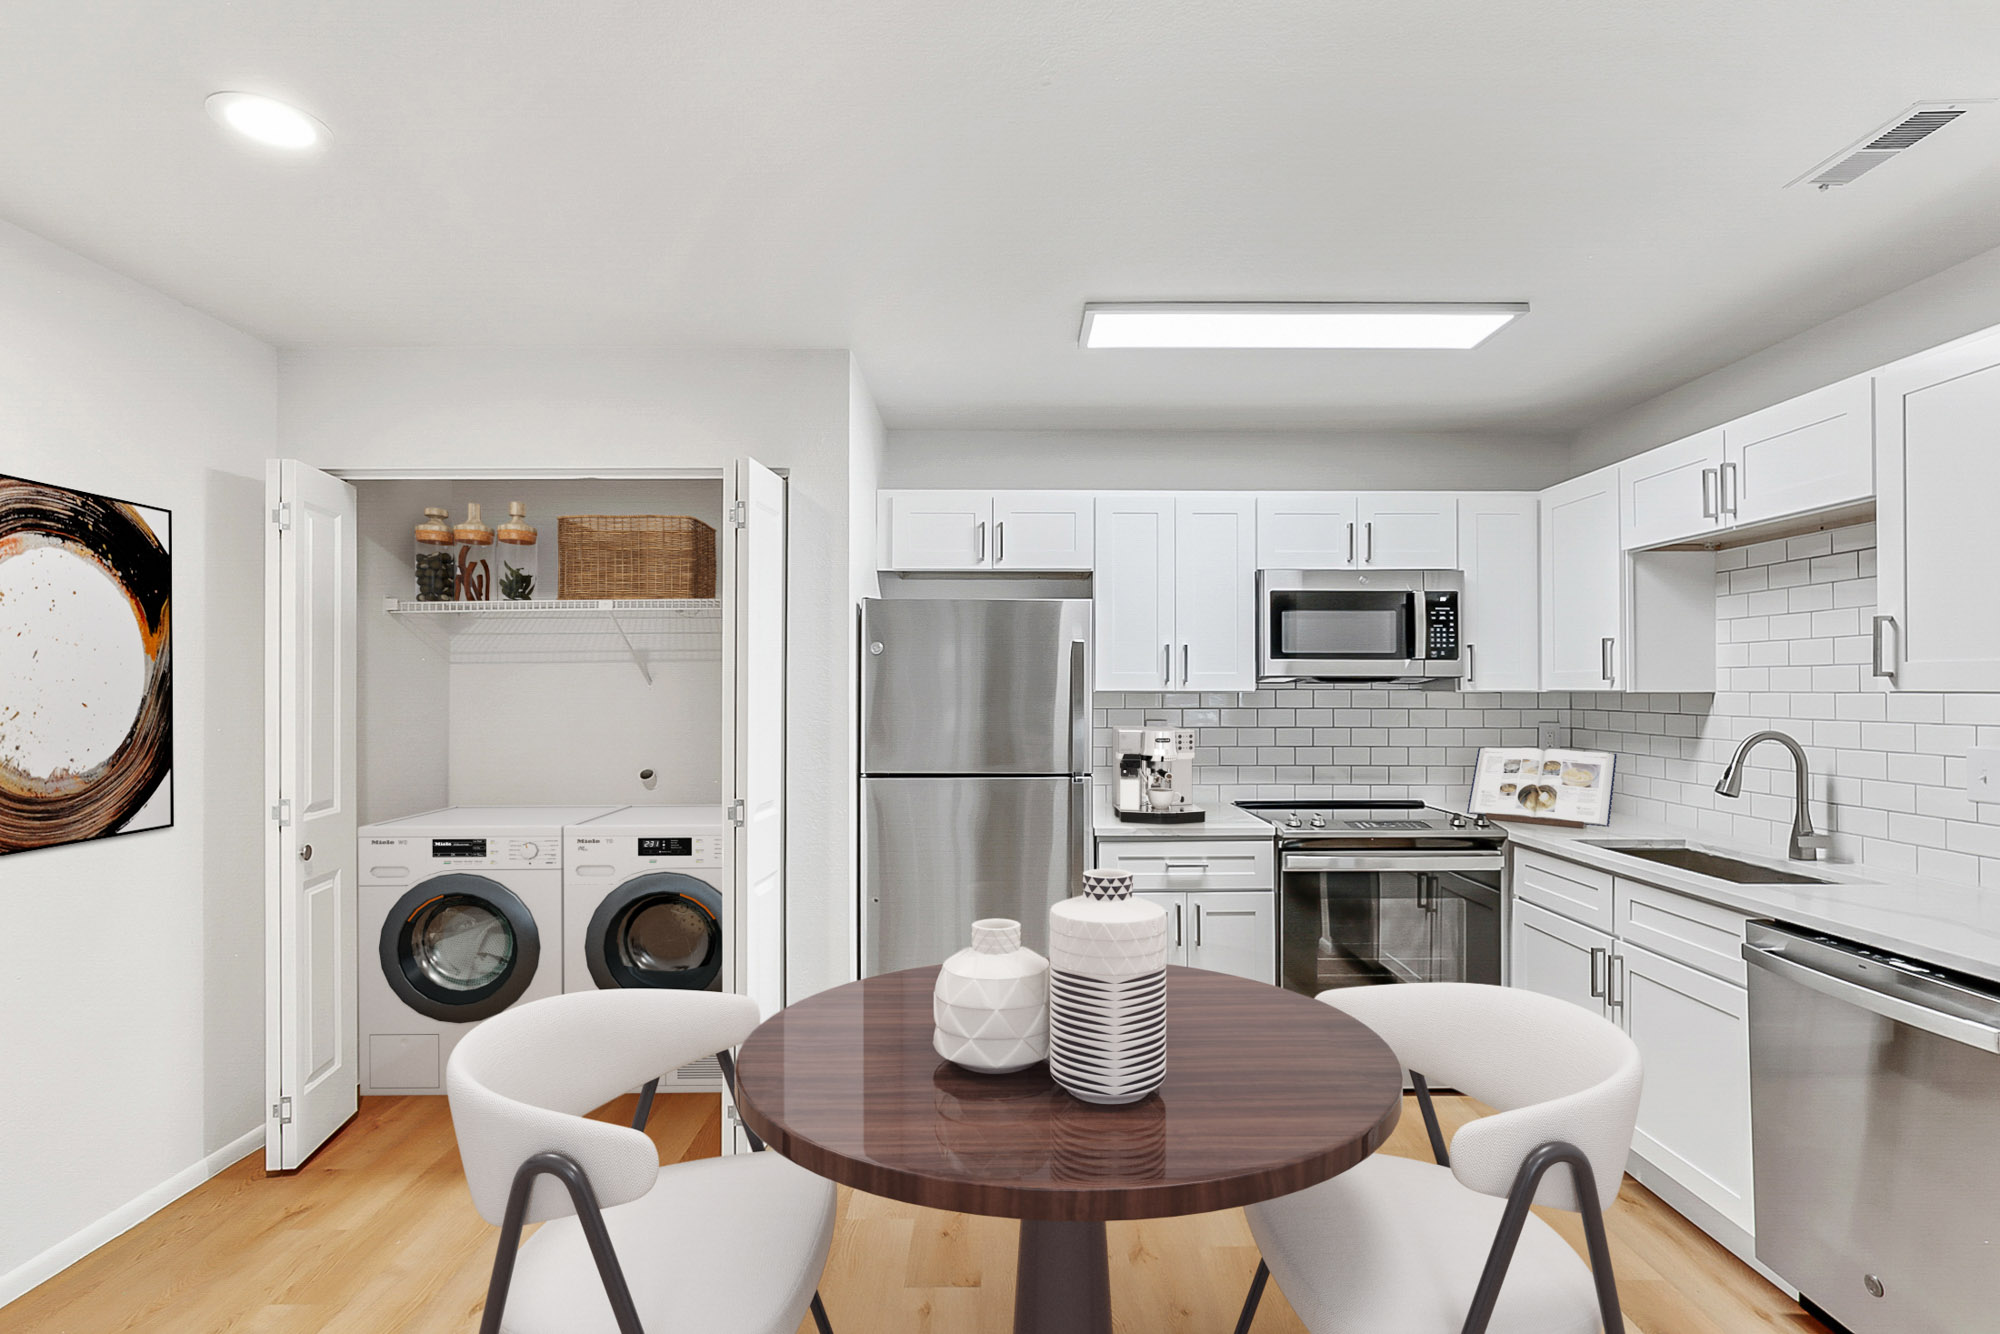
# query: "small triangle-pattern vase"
{"points": [[1107, 992], [991, 1003]]}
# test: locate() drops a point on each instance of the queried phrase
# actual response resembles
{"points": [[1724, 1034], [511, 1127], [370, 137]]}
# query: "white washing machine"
{"points": [[461, 917], [649, 900]]}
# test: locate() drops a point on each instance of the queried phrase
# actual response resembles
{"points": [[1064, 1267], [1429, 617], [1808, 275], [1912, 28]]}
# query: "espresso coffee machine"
{"points": [[1155, 776]]}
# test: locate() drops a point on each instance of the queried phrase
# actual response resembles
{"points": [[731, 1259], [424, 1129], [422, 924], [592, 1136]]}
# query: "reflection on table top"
{"points": [[1266, 1092]]}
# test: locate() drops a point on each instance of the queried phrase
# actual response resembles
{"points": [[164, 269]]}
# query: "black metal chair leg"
{"points": [[645, 1103], [1515, 1217], [1431, 1127], [819, 1315], [588, 1216], [1256, 1295]]}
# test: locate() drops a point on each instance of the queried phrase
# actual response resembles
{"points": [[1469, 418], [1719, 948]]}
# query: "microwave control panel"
{"points": [[1441, 626]]}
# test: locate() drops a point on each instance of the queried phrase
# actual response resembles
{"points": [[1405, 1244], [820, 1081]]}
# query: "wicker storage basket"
{"points": [[634, 556]]}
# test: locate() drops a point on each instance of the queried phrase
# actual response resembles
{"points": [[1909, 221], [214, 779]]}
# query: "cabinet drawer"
{"points": [[1700, 935], [1576, 892], [1158, 864]]}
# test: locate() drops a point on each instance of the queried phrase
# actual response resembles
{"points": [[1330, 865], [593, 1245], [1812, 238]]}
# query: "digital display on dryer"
{"points": [[458, 847], [666, 847]]}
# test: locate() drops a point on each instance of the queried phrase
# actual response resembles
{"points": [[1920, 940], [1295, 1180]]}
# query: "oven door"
{"points": [[1358, 919], [1344, 624]]}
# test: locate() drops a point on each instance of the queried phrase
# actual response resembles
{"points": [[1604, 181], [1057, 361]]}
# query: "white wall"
{"points": [[132, 984], [1961, 300], [511, 407], [1224, 460]]}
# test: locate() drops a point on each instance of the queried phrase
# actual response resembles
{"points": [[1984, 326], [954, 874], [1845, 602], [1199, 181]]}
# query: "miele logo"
{"points": [[388, 842], [588, 842]]}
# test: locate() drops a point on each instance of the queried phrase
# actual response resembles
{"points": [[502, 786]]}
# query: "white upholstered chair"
{"points": [[719, 1244], [1398, 1246]]}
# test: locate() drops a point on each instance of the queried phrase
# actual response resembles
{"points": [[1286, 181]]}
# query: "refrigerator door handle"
{"points": [[1079, 814], [1079, 713]]}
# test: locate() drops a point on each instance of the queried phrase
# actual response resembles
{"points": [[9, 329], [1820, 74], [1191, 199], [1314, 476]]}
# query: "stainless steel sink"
{"points": [[1713, 864]]}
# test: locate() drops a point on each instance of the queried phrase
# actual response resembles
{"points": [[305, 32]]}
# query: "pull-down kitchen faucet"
{"points": [[1806, 845]]}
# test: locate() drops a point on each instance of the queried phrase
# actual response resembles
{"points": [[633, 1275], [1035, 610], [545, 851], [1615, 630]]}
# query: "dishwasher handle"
{"points": [[1875, 1000]]}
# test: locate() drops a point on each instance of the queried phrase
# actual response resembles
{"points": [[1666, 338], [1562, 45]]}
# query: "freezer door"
{"points": [[975, 687], [939, 853]]}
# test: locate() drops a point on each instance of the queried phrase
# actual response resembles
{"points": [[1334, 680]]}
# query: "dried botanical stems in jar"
{"points": [[475, 558], [518, 562], [437, 561]]}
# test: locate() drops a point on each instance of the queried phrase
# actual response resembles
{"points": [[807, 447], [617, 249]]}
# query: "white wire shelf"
{"points": [[636, 630]]}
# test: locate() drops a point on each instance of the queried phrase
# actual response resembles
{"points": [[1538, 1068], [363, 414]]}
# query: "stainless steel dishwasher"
{"points": [[1875, 1114]]}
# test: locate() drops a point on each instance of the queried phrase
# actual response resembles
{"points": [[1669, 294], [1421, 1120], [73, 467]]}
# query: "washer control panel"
{"points": [[597, 853], [392, 858]]}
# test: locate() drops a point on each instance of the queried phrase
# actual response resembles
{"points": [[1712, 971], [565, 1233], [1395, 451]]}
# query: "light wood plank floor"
{"points": [[377, 1234]]}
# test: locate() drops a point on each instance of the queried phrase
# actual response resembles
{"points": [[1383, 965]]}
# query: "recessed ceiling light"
{"points": [[1293, 324], [266, 120]]}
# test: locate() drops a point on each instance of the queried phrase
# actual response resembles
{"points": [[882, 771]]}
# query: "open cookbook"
{"points": [[1572, 785]]}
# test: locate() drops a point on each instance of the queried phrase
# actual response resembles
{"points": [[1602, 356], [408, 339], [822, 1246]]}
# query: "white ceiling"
{"points": [[941, 186]]}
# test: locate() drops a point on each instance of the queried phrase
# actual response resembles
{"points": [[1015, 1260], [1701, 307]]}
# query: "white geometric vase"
{"points": [[1107, 992], [991, 1004]]}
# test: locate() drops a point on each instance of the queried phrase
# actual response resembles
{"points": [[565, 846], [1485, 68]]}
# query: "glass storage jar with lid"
{"points": [[517, 554], [436, 558], [475, 557]]}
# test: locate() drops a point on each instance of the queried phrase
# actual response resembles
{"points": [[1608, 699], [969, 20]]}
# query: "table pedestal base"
{"points": [[1063, 1284]]}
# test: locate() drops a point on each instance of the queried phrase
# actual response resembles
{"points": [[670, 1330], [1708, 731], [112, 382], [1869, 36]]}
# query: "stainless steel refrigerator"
{"points": [[975, 770]]}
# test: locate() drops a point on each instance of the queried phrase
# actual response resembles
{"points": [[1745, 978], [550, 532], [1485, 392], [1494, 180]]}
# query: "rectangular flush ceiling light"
{"points": [[1293, 324]]}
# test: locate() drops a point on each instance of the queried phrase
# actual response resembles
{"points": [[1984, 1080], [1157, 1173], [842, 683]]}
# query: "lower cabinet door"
{"points": [[1176, 906], [1234, 933], [1693, 1034], [1560, 958]]}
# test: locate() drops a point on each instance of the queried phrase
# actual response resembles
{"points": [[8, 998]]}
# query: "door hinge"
{"points": [[736, 812], [281, 1111], [739, 514], [281, 517], [281, 813]]}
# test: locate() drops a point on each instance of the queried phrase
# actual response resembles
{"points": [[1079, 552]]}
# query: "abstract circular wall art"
{"points": [[86, 666]]}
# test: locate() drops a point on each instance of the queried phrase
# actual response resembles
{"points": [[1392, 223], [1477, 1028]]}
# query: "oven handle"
{"points": [[1389, 861]]}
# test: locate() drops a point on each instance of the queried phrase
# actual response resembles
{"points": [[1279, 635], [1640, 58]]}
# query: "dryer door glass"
{"points": [[667, 935], [462, 944], [659, 929]]}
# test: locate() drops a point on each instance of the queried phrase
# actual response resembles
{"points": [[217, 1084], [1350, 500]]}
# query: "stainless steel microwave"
{"points": [[1359, 625]]}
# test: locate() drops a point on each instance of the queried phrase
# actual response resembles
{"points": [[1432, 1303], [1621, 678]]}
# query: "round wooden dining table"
{"points": [[1266, 1092]]}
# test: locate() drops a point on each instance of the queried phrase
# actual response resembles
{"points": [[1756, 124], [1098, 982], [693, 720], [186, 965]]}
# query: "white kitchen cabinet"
{"points": [[1234, 933], [1693, 1035], [1558, 957], [1215, 591], [1499, 552], [1673, 493], [1813, 452], [1176, 908], [1582, 578], [1308, 530], [1408, 530], [1132, 602], [935, 530], [986, 530], [1043, 530], [1937, 467], [1174, 604]]}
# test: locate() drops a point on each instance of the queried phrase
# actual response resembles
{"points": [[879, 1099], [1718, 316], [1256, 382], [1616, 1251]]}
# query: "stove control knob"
{"points": [[1319, 822], [1458, 822], [1292, 820], [1481, 822]]}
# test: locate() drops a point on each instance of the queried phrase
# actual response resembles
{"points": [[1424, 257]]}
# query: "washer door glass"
{"points": [[659, 930], [460, 947]]}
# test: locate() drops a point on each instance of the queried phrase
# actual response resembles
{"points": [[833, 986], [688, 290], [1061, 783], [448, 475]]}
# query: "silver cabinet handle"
{"points": [[1184, 664], [1350, 544], [1368, 549], [1729, 488], [982, 541], [1597, 957], [999, 541], [1177, 925], [1166, 664], [1711, 494], [1882, 665], [1614, 983], [1197, 926], [1196, 867], [1606, 652]]}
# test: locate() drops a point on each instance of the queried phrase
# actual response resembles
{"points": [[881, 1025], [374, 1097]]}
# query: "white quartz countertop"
{"points": [[1224, 821], [1946, 925]]}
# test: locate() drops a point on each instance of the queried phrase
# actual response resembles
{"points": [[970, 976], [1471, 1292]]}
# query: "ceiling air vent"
{"points": [[1918, 123]]}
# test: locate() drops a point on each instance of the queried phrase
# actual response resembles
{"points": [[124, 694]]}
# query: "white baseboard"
{"points": [[22, 1278]]}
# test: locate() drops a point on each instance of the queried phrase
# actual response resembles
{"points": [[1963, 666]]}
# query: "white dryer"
{"points": [[648, 901], [461, 917]]}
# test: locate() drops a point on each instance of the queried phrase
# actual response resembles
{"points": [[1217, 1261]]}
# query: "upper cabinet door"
{"points": [[1937, 462], [1582, 578], [1308, 530], [1043, 530], [1499, 550], [937, 530], [1811, 453], [1672, 493], [1215, 598], [1132, 602], [1409, 530]]}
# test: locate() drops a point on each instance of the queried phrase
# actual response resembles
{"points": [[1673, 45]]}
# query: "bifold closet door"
{"points": [[754, 730], [312, 1055]]}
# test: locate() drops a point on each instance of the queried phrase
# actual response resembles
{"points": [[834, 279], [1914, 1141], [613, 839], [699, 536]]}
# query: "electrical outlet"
{"points": [[1551, 735], [1982, 773]]}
